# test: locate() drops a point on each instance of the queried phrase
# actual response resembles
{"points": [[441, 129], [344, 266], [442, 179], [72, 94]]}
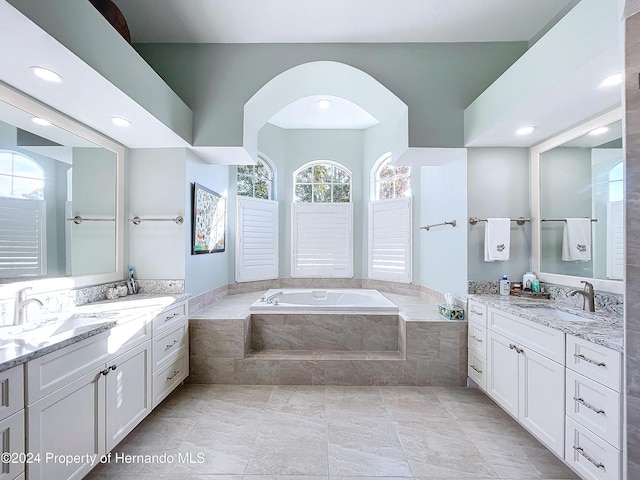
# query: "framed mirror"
{"points": [[578, 205], [61, 197]]}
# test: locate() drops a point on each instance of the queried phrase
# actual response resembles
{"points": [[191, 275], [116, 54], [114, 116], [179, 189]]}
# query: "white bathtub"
{"points": [[351, 300]]}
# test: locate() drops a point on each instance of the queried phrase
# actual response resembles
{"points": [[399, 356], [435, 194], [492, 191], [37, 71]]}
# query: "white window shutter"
{"points": [[390, 240], [615, 240], [22, 237], [256, 239], [322, 240]]}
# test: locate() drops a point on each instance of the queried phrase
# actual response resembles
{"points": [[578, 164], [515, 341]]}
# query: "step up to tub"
{"points": [[323, 355], [324, 332]]}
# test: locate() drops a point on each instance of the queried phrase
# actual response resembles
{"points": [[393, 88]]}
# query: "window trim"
{"points": [[322, 162], [272, 189], [12, 175], [374, 178]]}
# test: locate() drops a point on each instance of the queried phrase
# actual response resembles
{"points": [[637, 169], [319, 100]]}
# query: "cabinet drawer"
{"points": [[12, 441], [49, 373], [165, 380], [477, 313], [589, 455], [544, 340], [169, 318], [594, 406], [595, 362], [477, 369], [11, 391], [169, 345], [477, 339]]}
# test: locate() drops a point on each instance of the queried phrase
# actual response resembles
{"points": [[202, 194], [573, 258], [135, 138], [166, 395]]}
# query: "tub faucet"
{"points": [[21, 304], [274, 298], [588, 294]]}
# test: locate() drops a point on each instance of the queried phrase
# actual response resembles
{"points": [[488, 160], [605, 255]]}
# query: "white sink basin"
{"points": [[559, 314]]}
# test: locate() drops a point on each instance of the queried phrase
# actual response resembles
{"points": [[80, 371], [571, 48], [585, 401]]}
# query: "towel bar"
{"points": [[519, 220]]}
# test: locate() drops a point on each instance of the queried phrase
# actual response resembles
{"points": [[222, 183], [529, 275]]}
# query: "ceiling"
{"points": [[312, 21]]}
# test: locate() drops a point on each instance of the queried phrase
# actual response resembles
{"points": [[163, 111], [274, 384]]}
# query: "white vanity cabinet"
{"points": [[594, 409], [89, 411], [477, 343], [12, 422], [525, 375]]}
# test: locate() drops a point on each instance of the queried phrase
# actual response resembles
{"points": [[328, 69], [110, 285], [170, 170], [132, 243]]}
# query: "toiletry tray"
{"points": [[451, 312]]}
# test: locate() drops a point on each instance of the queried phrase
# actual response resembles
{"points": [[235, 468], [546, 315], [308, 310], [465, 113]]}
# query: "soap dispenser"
{"points": [[527, 281], [505, 286]]}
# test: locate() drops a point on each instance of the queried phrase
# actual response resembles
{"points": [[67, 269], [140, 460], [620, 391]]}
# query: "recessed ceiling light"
{"points": [[599, 131], [613, 80], [324, 103], [41, 121], [120, 122], [525, 130], [46, 74]]}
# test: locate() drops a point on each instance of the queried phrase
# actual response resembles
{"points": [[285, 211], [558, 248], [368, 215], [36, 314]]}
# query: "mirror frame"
{"points": [[32, 106], [611, 286]]}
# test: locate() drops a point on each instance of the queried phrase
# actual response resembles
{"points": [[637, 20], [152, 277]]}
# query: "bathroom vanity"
{"points": [[556, 371], [81, 391]]}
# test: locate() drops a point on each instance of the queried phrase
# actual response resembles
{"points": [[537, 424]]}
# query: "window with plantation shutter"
{"points": [[390, 240], [256, 240], [322, 240], [22, 234]]}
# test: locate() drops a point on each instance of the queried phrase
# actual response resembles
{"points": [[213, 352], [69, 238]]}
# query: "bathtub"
{"points": [[351, 300]]}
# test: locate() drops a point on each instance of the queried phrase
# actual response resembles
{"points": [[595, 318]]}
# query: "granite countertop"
{"points": [[605, 328], [18, 345]]}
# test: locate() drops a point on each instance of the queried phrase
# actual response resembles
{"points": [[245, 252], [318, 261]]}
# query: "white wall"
{"points": [[156, 180], [205, 272], [442, 253], [498, 186]]}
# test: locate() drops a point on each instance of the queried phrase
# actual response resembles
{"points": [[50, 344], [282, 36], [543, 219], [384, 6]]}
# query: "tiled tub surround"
{"points": [[417, 347]]}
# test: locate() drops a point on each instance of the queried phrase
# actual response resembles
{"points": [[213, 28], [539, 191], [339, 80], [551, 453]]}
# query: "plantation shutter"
{"points": [[22, 235], [390, 240], [322, 240], [615, 240], [256, 240]]}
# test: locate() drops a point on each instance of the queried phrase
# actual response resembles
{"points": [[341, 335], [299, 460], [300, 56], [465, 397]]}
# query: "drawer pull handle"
{"points": [[587, 359], [172, 316], [474, 367], [475, 312], [581, 451], [113, 367], [175, 372], [479, 340], [514, 347], [581, 401], [171, 345], [105, 371]]}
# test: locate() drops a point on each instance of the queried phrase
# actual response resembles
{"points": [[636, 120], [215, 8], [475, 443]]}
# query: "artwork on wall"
{"points": [[209, 218]]}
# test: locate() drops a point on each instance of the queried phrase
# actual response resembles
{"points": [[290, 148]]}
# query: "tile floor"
{"points": [[313, 433]]}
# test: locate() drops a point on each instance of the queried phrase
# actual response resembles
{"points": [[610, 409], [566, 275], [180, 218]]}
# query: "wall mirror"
{"points": [[579, 174], [60, 197]]}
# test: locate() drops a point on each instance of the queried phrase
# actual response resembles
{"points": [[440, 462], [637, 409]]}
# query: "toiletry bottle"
{"points": [[527, 281], [505, 286], [535, 285]]}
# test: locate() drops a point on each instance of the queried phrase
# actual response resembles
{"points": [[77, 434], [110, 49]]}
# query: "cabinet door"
{"points": [[128, 392], [12, 441], [541, 399], [502, 372], [70, 421]]}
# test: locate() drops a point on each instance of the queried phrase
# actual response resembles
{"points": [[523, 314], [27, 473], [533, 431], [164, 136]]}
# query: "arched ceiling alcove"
{"points": [[330, 79]]}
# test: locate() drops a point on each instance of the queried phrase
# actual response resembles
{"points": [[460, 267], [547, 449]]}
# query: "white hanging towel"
{"points": [[497, 240], [576, 240]]}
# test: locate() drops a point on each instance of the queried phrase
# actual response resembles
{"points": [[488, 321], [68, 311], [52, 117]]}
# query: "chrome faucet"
{"points": [[274, 298], [21, 304], [588, 294]]}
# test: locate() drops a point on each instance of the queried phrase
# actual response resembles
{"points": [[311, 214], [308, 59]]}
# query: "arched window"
{"points": [[20, 177], [322, 182], [256, 180], [616, 185], [391, 181]]}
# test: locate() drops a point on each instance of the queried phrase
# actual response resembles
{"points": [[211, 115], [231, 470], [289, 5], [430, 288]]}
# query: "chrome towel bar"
{"points": [[427, 227], [519, 220], [179, 220]]}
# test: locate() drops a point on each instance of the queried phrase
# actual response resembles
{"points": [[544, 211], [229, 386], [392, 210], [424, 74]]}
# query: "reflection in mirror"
{"points": [[583, 178], [48, 175]]}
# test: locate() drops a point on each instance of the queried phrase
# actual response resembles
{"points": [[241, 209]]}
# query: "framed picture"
{"points": [[209, 219]]}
